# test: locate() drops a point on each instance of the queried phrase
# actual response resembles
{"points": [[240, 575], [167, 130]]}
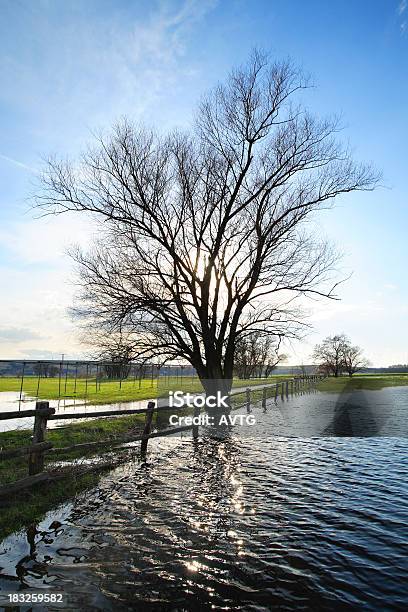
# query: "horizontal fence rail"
{"points": [[40, 447]]}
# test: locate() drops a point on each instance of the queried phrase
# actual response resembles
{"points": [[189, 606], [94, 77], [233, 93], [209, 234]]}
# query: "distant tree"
{"points": [[273, 363], [302, 369], [53, 371], [336, 354], [324, 369], [45, 370], [257, 355], [243, 366], [399, 367], [115, 350], [117, 367], [353, 359], [271, 360], [330, 354], [40, 369]]}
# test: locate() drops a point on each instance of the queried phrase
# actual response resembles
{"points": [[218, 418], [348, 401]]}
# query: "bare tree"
{"points": [[115, 350], [353, 359], [203, 237], [45, 370], [330, 354], [268, 355], [243, 359], [273, 363], [256, 355]]}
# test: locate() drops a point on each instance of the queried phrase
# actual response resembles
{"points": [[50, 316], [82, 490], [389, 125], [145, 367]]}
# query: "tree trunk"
{"points": [[215, 375]]}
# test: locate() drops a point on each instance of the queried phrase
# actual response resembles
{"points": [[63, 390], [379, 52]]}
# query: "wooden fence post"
{"points": [[264, 398], [248, 399], [36, 459], [147, 427], [287, 388], [276, 391]]}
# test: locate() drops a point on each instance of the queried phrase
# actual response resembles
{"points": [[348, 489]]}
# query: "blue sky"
{"points": [[67, 68]]}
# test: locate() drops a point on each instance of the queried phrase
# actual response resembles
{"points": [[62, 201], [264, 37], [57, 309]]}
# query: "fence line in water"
{"points": [[43, 413]]}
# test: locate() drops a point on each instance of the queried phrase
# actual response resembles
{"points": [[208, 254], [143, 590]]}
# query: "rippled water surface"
{"points": [[255, 522]]}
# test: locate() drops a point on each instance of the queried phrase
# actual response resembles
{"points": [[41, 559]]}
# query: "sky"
{"points": [[70, 68]]}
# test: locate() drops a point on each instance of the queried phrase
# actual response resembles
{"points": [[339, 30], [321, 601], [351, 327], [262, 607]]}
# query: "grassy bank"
{"points": [[362, 381], [29, 509], [93, 430], [29, 506]]}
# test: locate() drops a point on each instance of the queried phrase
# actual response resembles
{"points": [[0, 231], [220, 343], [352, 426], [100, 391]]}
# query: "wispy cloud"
{"points": [[19, 164], [39, 354], [129, 65], [401, 12]]}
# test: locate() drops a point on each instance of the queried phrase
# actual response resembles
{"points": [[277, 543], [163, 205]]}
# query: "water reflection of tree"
{"points": [[351, 418]]}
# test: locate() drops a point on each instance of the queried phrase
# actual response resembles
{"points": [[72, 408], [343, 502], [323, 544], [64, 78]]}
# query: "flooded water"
{"points": [[9, 402], [253, 520]]}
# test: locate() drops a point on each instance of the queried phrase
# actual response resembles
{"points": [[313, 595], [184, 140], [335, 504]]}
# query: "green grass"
{"points": [[110, 391], [362, 381], [30, 506], [106, 392], [93, 430]]}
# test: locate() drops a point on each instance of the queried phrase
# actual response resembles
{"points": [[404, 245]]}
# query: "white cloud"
{"points": [[330, 310], [34, 304], [401, 12], [38, 281]]}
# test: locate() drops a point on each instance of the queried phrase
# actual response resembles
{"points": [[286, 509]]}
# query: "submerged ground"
{"points": [[306, 510]]}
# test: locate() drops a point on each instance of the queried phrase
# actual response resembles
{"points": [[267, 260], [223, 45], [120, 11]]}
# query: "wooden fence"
{"points": [[43, 413]]}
